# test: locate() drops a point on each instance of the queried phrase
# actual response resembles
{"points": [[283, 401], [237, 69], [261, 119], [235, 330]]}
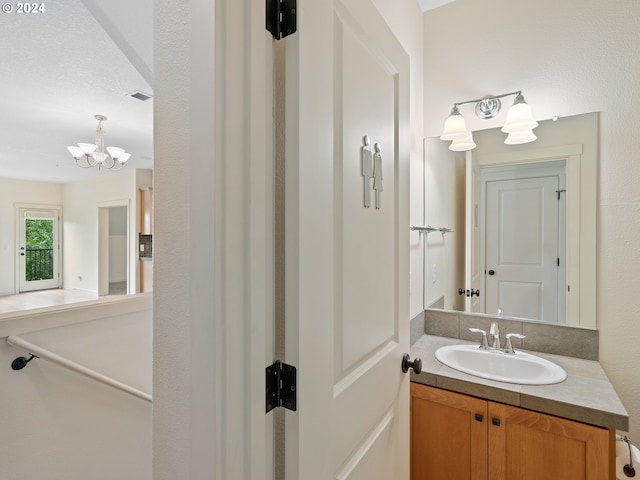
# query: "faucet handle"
{"points": [[508, 346], [483, 342]]}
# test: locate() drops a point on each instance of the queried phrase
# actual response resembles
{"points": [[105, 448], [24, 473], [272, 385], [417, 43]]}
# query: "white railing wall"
{"points": [[59, 424]]}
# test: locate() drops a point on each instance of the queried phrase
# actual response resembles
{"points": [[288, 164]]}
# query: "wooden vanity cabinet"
{"points": [[459, 437], [448, 435]]}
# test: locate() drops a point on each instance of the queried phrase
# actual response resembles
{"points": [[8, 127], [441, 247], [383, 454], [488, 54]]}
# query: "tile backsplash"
{"points": [[540, 336], [145, 243]]}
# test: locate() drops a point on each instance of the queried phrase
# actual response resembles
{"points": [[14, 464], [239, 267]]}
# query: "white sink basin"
{"points": [[522, 368]]}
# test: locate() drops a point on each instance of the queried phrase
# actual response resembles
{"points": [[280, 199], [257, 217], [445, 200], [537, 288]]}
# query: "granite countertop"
{"points": [[585, 396]]}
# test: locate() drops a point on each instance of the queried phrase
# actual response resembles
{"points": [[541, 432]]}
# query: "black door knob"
{"points": [[492, 272], [407, 364]]}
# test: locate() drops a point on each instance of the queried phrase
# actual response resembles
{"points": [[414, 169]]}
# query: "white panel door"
{"points": [[347, 263], [522, 248]]}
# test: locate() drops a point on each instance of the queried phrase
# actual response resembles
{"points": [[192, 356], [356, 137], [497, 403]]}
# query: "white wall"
{"points": [[567, 57], [117, 258], [117, 244], [444, 206], [405, 19], [81, 201], [185, 395], [57, 424], [12, 192], [79, 227]]}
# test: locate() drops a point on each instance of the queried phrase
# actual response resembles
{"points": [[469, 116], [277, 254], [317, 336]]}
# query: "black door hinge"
{"points": [[281, 18], [281, 386]]}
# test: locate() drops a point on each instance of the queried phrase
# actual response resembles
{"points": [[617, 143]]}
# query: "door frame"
{"points": [[18, 230], [581, 168], [103, 245], [214, 188]]}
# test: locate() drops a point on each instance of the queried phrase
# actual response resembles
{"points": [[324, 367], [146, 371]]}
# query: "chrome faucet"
{"points": [[495, 332]]}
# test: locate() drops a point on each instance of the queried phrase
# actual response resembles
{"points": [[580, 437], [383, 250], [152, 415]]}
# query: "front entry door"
{"points": [[38, 249], [347, 239]]}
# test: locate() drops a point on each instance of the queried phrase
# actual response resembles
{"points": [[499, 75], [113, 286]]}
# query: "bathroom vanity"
{"points": [[457, 436], [467, 427]]}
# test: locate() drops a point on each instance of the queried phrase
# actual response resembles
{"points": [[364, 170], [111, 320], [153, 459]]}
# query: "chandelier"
{"points": [[89, 155]]}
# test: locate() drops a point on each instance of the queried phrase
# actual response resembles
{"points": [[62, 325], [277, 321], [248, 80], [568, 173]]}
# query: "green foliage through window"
{"points": [[39, 249]]}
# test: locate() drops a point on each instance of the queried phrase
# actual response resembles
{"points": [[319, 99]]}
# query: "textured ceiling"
{"points": [[60, 68]]}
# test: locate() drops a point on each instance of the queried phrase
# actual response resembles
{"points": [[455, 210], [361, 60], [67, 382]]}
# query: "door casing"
{"points": [[21, 209]]}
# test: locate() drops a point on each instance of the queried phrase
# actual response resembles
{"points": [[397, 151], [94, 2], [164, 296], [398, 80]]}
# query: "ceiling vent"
{"points": [[139, 95]]}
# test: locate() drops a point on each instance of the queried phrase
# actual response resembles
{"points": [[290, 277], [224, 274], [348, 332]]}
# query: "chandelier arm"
{"points": [[79, 164], [113, 163]]}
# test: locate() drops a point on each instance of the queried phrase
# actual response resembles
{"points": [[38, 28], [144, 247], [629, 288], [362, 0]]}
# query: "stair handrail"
{"points": [[40, 352]]}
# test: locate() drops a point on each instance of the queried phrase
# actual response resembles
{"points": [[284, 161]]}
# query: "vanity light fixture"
{"points": [[519, 125], [89, 155]]}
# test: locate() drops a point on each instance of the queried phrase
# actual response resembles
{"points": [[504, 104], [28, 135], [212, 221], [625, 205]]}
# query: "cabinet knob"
{"points": [[495, 421], [407, 364]]}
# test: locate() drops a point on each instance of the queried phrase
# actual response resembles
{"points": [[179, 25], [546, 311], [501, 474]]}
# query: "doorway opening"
{"points": [[113, 249]]}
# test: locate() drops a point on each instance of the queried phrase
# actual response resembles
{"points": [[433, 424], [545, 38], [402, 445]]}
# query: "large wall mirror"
{"points": [[523, 221]]}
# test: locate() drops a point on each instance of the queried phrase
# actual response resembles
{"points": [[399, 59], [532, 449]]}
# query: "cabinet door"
{"points": [[533, 446], [146, 211], [448, 435]]}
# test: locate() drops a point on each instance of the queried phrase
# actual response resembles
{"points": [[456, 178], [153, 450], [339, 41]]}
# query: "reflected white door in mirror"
{"points": [[522, 238]]}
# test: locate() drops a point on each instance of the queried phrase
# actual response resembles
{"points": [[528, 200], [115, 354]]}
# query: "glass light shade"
{"points": [[519, 118], [123, 158], [115, 152], [99, 156], [454, 126], [75, 152], [463, 144], [516, 138], [87, 148]]}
